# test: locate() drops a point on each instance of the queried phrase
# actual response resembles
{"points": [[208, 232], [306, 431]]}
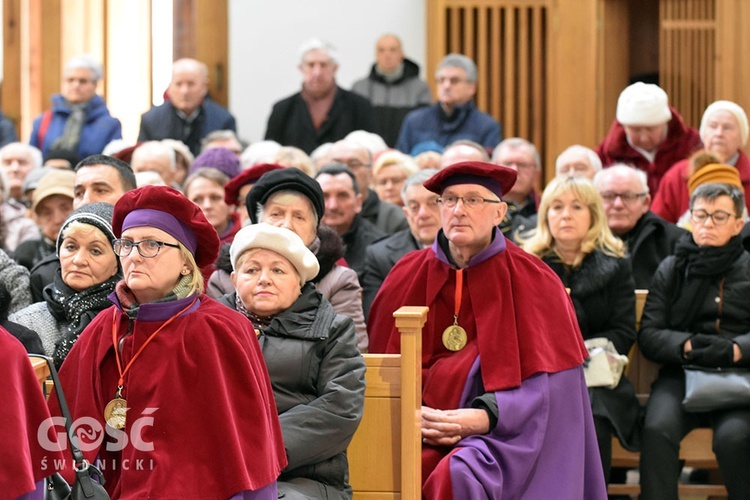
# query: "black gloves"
{"points": [[711, 351]]}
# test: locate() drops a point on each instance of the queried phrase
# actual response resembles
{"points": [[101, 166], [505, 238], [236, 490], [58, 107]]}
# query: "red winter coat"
{"points": [[680, 142], [672, 200]]}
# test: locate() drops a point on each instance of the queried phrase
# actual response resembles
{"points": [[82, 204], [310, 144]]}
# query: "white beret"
{"points": [[277, 239], [643, 104]]}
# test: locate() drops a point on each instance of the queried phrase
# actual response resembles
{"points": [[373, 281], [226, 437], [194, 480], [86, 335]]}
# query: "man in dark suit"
{"points": [[423, 215], [626, 199], [189, 114], [322, 112]]}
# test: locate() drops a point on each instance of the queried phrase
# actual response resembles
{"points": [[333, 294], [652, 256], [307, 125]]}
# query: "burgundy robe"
{"points": [[24, 461], [525, 346], [199, 394]]}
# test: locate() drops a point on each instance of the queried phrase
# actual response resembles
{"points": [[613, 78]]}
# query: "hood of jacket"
{"points": [[411, 70]]}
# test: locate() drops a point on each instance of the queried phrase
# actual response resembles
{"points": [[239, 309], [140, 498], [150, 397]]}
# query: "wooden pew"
{"points": [[385, 455], [41, 369], [695, 449]]}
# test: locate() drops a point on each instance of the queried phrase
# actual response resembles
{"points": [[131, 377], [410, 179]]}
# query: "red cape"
{"points": [[23, 461], [216, 431], [680, 142], [517, 314]]}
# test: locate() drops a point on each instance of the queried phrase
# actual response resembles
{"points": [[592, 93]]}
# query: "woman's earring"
{"points": [[185, 272]]}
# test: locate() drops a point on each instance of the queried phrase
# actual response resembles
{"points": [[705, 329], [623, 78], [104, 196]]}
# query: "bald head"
{"points": [[189, 85], [388, 53]]}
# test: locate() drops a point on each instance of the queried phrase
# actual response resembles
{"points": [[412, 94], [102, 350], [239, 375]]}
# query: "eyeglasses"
{"points": [[720, 217], [147, 248], [627, 198], [470, 202]]}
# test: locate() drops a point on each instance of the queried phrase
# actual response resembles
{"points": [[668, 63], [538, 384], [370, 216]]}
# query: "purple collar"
{"points": [[496, 246], [159, 311]]}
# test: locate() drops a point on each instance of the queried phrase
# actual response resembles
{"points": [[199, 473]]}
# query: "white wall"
{"points": [[264, 37]]}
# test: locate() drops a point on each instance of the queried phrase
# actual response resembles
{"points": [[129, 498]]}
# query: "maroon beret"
{"points": [[170, 201], [496, 178], [247, 176]]}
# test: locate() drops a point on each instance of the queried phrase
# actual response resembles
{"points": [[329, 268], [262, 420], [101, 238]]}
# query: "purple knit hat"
{"points": [[221, 159]]}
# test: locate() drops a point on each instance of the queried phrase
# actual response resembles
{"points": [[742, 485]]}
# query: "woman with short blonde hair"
{"points": [[573, 239]]}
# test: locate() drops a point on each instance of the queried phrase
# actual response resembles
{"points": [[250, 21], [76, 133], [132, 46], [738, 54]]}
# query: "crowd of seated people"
{"points": [[316, 234]]}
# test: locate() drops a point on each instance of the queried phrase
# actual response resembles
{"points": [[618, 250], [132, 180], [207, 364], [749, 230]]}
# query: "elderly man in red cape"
{"points": [[505, 409]]}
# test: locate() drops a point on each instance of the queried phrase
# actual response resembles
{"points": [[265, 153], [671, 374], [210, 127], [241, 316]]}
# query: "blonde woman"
{"points": [[389, 174], [572, 237]]}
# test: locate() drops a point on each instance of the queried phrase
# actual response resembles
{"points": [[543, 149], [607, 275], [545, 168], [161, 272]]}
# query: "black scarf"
{"points": [[695, 270], [74, 310]]}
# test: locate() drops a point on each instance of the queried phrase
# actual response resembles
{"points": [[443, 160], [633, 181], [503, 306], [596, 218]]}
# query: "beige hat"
{"points": [[643, 104], [277, 239], [56, 181]]}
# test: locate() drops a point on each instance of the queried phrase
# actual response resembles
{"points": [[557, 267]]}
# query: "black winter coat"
{"points": [[649, 242], [659, 339], [602, 292], [290, 123]]}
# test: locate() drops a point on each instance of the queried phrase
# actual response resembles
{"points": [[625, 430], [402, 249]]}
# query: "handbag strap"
{"points": [[77, 454]]}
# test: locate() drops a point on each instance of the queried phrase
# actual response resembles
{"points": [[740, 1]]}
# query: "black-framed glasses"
{"points": [[469, 202], [720, 217], [147, 248], [627, 198]]}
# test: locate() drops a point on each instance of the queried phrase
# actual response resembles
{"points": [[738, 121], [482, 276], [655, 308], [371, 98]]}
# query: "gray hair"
{"points": [[218, 135], [155, 148], [36, 155], [517, 143], [594, 159], [621, 168], [418, 178], [713, 190], [292, 192], [318, 44], [86, 61], [459, 61]]}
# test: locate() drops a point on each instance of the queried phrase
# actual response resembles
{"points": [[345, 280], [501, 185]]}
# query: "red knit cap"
{"points": [[247, 176]]}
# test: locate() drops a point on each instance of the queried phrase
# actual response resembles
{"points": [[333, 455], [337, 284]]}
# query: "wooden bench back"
{"points": [[385, 455]]}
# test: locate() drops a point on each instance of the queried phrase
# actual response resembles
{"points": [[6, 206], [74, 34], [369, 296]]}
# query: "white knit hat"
{"points": [[277, 239], [733, 108], [643, 104]]}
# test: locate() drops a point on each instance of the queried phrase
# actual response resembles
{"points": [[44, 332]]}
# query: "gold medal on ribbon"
{"points": [[454, 338], [114, 412]]}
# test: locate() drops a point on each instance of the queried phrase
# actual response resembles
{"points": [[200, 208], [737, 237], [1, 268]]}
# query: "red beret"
{"points": [[247, 176], [496, 178], [170, 201], [126, 154]]}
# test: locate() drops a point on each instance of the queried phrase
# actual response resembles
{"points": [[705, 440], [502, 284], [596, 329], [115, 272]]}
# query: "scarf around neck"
{"points": [[71, 136], [74, 310], [696, 268]]}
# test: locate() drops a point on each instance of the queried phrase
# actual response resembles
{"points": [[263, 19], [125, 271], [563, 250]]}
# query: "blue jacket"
{"points": [[99, 130], [163, 122], [431, 124]]}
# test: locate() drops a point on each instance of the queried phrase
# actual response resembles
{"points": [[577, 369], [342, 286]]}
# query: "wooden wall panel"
{"points": [[508, 40], [688, 55]]}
